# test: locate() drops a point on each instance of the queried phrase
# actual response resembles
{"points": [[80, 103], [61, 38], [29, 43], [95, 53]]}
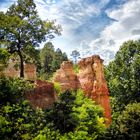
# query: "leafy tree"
{"points": [[46, 55], [21, 27], [89, 117], [61, 113], [76, 55], [123, 77], [129, 122], [123, 74], [126, 126]]}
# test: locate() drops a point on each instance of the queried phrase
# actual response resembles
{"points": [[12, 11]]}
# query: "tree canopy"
{"points": [[123, 74], [123, 77], [50, 60]]}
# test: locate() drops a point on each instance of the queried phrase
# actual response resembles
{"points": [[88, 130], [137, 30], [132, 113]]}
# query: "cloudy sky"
{"points": [[91, 26]]}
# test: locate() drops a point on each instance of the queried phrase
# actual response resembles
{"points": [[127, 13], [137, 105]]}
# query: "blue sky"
{"points": [[91, 26]]}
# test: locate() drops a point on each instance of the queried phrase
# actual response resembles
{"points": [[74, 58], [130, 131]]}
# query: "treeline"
{"points": [[49, 60]]}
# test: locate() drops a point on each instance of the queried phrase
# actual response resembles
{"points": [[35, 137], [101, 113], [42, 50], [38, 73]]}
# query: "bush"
{"points": [[76, 68], [12, 89], [74, 116], [129, 122], [57, 87]]}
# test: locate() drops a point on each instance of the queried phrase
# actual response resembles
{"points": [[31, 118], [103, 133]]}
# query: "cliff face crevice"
{"points": [[90, 79]]}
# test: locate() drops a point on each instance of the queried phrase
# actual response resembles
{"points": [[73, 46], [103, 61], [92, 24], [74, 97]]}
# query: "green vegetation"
{"points": [[73, 116], [76, 68], [57, 87], [4, 57], [123, 77], [123, 74], [50, 60]]}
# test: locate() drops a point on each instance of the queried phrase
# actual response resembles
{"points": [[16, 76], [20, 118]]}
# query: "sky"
{"points": [[90, 26]]}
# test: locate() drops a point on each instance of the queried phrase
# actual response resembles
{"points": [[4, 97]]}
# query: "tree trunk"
{"points": [[21, 65]]}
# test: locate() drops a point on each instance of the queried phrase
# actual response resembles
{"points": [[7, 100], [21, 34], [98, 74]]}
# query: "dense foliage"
{"points": [[123, 74], [4, 57], [123, 77], [50, 60], [73, 116]]}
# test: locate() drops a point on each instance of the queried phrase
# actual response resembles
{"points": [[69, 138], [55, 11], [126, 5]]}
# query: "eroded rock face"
{"points": [[93, 83], [66, 76], [90, 79], [43, 95], [13, 71]]}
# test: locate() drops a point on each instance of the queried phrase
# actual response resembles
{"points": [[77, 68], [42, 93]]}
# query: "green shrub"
{"points": [[76, 68], [57, 87], [129, 122], [12, 89], [75, 116]]}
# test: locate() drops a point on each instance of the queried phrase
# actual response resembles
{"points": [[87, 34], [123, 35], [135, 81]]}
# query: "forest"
{"points": [[73, 116]]}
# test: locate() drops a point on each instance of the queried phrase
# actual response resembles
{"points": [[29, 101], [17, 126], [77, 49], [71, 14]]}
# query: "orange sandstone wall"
{"points": [[43, 95], [93, 83], [90, 79], [66, 76]]}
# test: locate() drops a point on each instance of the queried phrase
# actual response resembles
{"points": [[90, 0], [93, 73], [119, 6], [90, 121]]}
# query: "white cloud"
{"points": [[71, 14], [125, 27]]}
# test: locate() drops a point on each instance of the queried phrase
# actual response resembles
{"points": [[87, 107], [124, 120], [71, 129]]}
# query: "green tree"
{"points": [[77, 117], [76, 55], [4, 57], [50, 60], [126, 125], [129, 122], [61, 113], [46, 58], [123, 74], [21, 27], [59, 57]]}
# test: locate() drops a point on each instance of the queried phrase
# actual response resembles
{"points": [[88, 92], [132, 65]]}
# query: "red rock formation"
{"points": [[93, 83], [90, 79], [66, 76], [43, 95]]}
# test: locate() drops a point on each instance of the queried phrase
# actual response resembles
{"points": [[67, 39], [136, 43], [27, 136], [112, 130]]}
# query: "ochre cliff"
{"points": [[66, 76], [90, 79], [43, 95]]}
